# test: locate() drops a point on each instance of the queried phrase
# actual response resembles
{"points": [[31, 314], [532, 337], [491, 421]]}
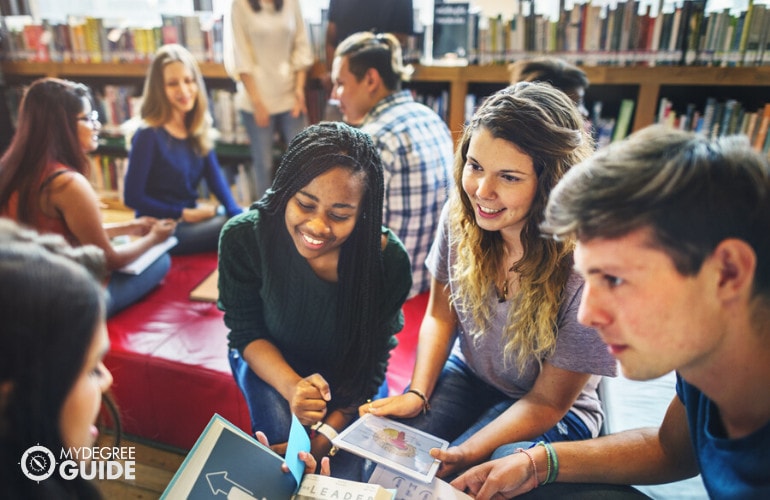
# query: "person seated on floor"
{"points": [[52, 378], [501, 356], [52, 375], [44, 184], [672, 239], [564, 76], [172, 153], [311, 285]]}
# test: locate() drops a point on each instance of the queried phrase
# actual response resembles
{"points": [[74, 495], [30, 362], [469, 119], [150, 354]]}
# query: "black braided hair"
{"points": [[311, 153]]}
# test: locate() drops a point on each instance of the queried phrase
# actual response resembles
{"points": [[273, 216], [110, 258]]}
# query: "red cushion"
{"points": [[168, 358]]}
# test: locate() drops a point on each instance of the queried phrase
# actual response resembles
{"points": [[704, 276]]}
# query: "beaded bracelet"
{"points": [[552, 461], [547, 461], [425, 404], [532, 461]]}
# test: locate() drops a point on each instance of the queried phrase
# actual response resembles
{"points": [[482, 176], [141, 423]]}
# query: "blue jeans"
{"points": [[261, 146], [271, 414], [461, 404], [125, 289], [199, 236]]}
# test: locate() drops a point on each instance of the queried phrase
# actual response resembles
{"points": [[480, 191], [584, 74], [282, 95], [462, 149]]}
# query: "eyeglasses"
{"points": [[92, 118]]}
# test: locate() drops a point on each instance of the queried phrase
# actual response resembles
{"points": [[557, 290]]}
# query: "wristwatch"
{"points": [[328, 432]]}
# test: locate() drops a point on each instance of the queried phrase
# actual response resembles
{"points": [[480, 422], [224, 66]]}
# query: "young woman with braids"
{"points": [[312, 286], [501, 356]]}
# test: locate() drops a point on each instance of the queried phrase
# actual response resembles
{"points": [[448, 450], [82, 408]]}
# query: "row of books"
{"points": [[91, 39], [108, 173], [116, 104], [720, 118], [621, 33]]}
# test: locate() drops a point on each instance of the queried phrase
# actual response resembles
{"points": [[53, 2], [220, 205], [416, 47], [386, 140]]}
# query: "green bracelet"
{"points": [[553, 462]]}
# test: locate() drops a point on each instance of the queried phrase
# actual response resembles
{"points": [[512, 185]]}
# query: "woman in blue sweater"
{"points": [[173, 152]]}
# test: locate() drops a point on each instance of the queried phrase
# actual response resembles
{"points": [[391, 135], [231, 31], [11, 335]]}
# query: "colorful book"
{"points": [[623, 122]]}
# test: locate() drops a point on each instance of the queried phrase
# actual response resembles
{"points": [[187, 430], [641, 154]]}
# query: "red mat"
{"points": [[168, 358]]}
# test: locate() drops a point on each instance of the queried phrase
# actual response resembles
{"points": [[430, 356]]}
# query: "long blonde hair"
{"points": [[156, 110], [544, 124]]}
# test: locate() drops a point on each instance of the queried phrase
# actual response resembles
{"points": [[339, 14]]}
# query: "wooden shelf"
{"points": [[647, 80], [101, 70]]}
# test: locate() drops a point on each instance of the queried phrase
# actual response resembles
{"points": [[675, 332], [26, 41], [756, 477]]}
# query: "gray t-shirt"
{"points": [[578, 348]]}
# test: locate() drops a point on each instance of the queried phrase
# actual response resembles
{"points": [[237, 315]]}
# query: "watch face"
{"points": [[38, 463]]}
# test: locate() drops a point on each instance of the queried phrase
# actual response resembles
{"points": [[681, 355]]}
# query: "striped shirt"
{"points": [[416, 149]]}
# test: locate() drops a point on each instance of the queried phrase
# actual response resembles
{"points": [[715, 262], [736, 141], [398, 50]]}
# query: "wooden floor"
{"points": [[155, 466], [155, 463]]}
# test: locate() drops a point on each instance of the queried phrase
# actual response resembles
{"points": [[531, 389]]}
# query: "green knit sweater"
{"points": [[269, 291]]}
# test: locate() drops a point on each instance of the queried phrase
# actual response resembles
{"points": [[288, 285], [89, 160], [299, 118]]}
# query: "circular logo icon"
{"points": [[38, 463]]}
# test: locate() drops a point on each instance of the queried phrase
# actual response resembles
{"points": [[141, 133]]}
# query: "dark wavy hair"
{"points": [[47, 131], [51, 301], [256, 5], [314, 151]]}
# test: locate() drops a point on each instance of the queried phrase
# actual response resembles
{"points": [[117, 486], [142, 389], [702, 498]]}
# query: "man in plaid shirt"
{"points": [[414, 142]]}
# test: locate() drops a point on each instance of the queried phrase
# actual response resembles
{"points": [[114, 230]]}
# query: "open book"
{"points": [[151, 255], [227, 461]]}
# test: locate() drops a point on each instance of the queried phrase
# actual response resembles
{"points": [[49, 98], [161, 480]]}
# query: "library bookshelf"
{"points": [[645, 84]]}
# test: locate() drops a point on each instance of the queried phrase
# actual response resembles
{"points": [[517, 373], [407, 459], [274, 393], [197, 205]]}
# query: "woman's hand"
{"points": [[308, 402], [199, 213], [162, 229], [300, 104], [141, 225], [261, 115], [308, 458], [320, 447], [404, 406]]}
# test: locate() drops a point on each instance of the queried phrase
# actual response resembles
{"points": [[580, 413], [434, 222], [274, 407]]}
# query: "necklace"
{"points": [[502, 296]]}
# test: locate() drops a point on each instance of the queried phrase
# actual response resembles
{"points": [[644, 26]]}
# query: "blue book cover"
{"points": [[226, 461]]}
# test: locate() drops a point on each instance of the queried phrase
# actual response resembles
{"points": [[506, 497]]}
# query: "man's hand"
{"points": [[502, 478], [452, 460]]}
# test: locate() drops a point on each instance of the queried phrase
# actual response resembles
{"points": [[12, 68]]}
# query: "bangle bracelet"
{"points": [[425, 404], [532, 461], [326, 431], [553, 462]]}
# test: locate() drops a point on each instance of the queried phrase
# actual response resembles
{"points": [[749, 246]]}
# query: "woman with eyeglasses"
{"points": [[44, 184]]}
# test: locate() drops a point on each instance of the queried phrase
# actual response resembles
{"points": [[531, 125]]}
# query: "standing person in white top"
{"points": [[266, 51]]}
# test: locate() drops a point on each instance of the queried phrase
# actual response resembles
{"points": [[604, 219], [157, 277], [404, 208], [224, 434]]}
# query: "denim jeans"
{"points": [[261, 146], [461, 404], [125, 289], [270, 413]]}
